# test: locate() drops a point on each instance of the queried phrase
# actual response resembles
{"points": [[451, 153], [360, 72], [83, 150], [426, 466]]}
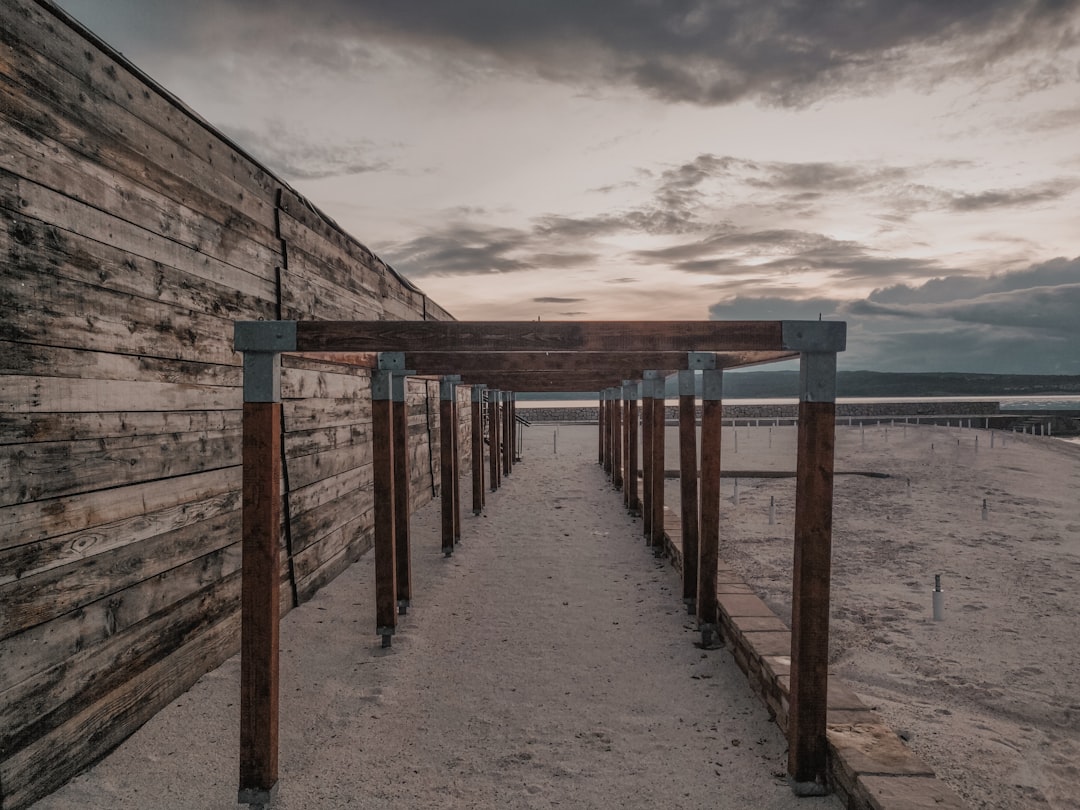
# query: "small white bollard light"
{"points": [[939, 600]]}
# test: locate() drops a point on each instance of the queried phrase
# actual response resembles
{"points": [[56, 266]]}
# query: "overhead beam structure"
{"points": [[619, 361]]}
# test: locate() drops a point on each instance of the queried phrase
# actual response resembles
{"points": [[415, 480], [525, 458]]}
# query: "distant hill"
{"points": [[775, 384], [769, 384]]}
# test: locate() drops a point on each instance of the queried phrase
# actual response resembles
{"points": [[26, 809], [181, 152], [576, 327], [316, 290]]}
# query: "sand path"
{"points": [[548, 663]]}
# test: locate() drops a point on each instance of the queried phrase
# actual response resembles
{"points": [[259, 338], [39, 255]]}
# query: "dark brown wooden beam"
{"points": [[465, 336], [260, 600], [382, 443], [493, 438], [477, 451], [617, 437], [633, 502], [403, 554], [476, 362], [601, 429], [712, 415], [658, 435], [457, 469], [688, 487], [446, 459], [810, 596], [647, 424]]}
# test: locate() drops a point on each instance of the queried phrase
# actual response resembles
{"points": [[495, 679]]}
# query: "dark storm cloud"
{"points": [[549, 299], [1013, 198], [299, 157], [1018, 322], [786, 251], [704, 52]]}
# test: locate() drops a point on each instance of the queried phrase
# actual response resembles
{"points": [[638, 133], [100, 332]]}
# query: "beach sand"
{"points": [[548, 663], [988, 697]]}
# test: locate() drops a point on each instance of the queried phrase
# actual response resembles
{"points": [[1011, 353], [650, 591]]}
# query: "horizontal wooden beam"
{"points": [[488, 336], [444, 362], [525, 380]]}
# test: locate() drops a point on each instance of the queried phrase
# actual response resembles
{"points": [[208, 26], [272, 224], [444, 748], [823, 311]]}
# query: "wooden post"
{"points": [[259, 602], [617, 438], [600, 427], [688, 487], [811, 573], [647, 424], [456, 481], [382, 457], [628, 482], [508, 460], [712, 414], [493, 436], [634, 503], [477, 449], [403, 553], [446, 458], [659, 418]]}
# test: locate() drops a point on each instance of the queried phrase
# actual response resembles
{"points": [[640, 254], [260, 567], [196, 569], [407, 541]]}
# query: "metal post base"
{"points": [[809, 788], [257, 797], [710, 639], [691, 606], [448, 552], [658, 551], [387, 641], [476, 512], [403, 607]]}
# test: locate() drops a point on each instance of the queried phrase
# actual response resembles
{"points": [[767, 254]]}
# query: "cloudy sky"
{"points": [[910, 166]]}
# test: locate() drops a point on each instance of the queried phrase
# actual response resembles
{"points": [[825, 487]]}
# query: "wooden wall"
{"points": [[132, 236]]}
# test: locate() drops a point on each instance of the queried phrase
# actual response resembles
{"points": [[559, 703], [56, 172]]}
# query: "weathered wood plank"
{"points": [[55, 311], [315, 524], [355, 534], [450, 362], [39, 598], [37, 706], [37, 246], [39, 470], [38, 74], [16, 428], [308, 442], [38, 520], [27, 359], [331, 258], [357, 481], [52, 164], [478, 336], [26, 655], [305, 470], [42, 767], [308, 383], [33, 558], [309, 414], [21, 196]]}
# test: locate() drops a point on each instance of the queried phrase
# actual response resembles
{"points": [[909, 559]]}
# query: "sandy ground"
{"points": [[988, 697], [548, 663]]}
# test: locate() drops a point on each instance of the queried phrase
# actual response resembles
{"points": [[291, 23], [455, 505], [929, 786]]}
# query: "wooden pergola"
{"points": [[501, 358]]}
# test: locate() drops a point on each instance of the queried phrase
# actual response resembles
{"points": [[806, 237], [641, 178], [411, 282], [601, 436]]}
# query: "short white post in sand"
{"points": [[1049, 428], [735, 496], [772, 510], [985, 510], [939, 600], [736, 434]]}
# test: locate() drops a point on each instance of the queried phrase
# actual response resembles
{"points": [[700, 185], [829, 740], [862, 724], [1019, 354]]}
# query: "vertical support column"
{"points": [[457, 465], [648, 390], [688, 487], [507, 430], [477, 403], [382, 443], [812, 570], [260, 595], [401, 491], [447, 429], [515, 445], [493, 436], [600, 428], [634, 502], [712, 414], [617, 438], [659, 418]]}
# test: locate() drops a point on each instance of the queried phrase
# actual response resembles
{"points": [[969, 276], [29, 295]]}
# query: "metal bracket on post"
{"points": [[814, 336], [631, 390], [686, 383], [262, 343], [712, 384], [700, 361], [478, 392], [817, 377], [447, 384]]}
